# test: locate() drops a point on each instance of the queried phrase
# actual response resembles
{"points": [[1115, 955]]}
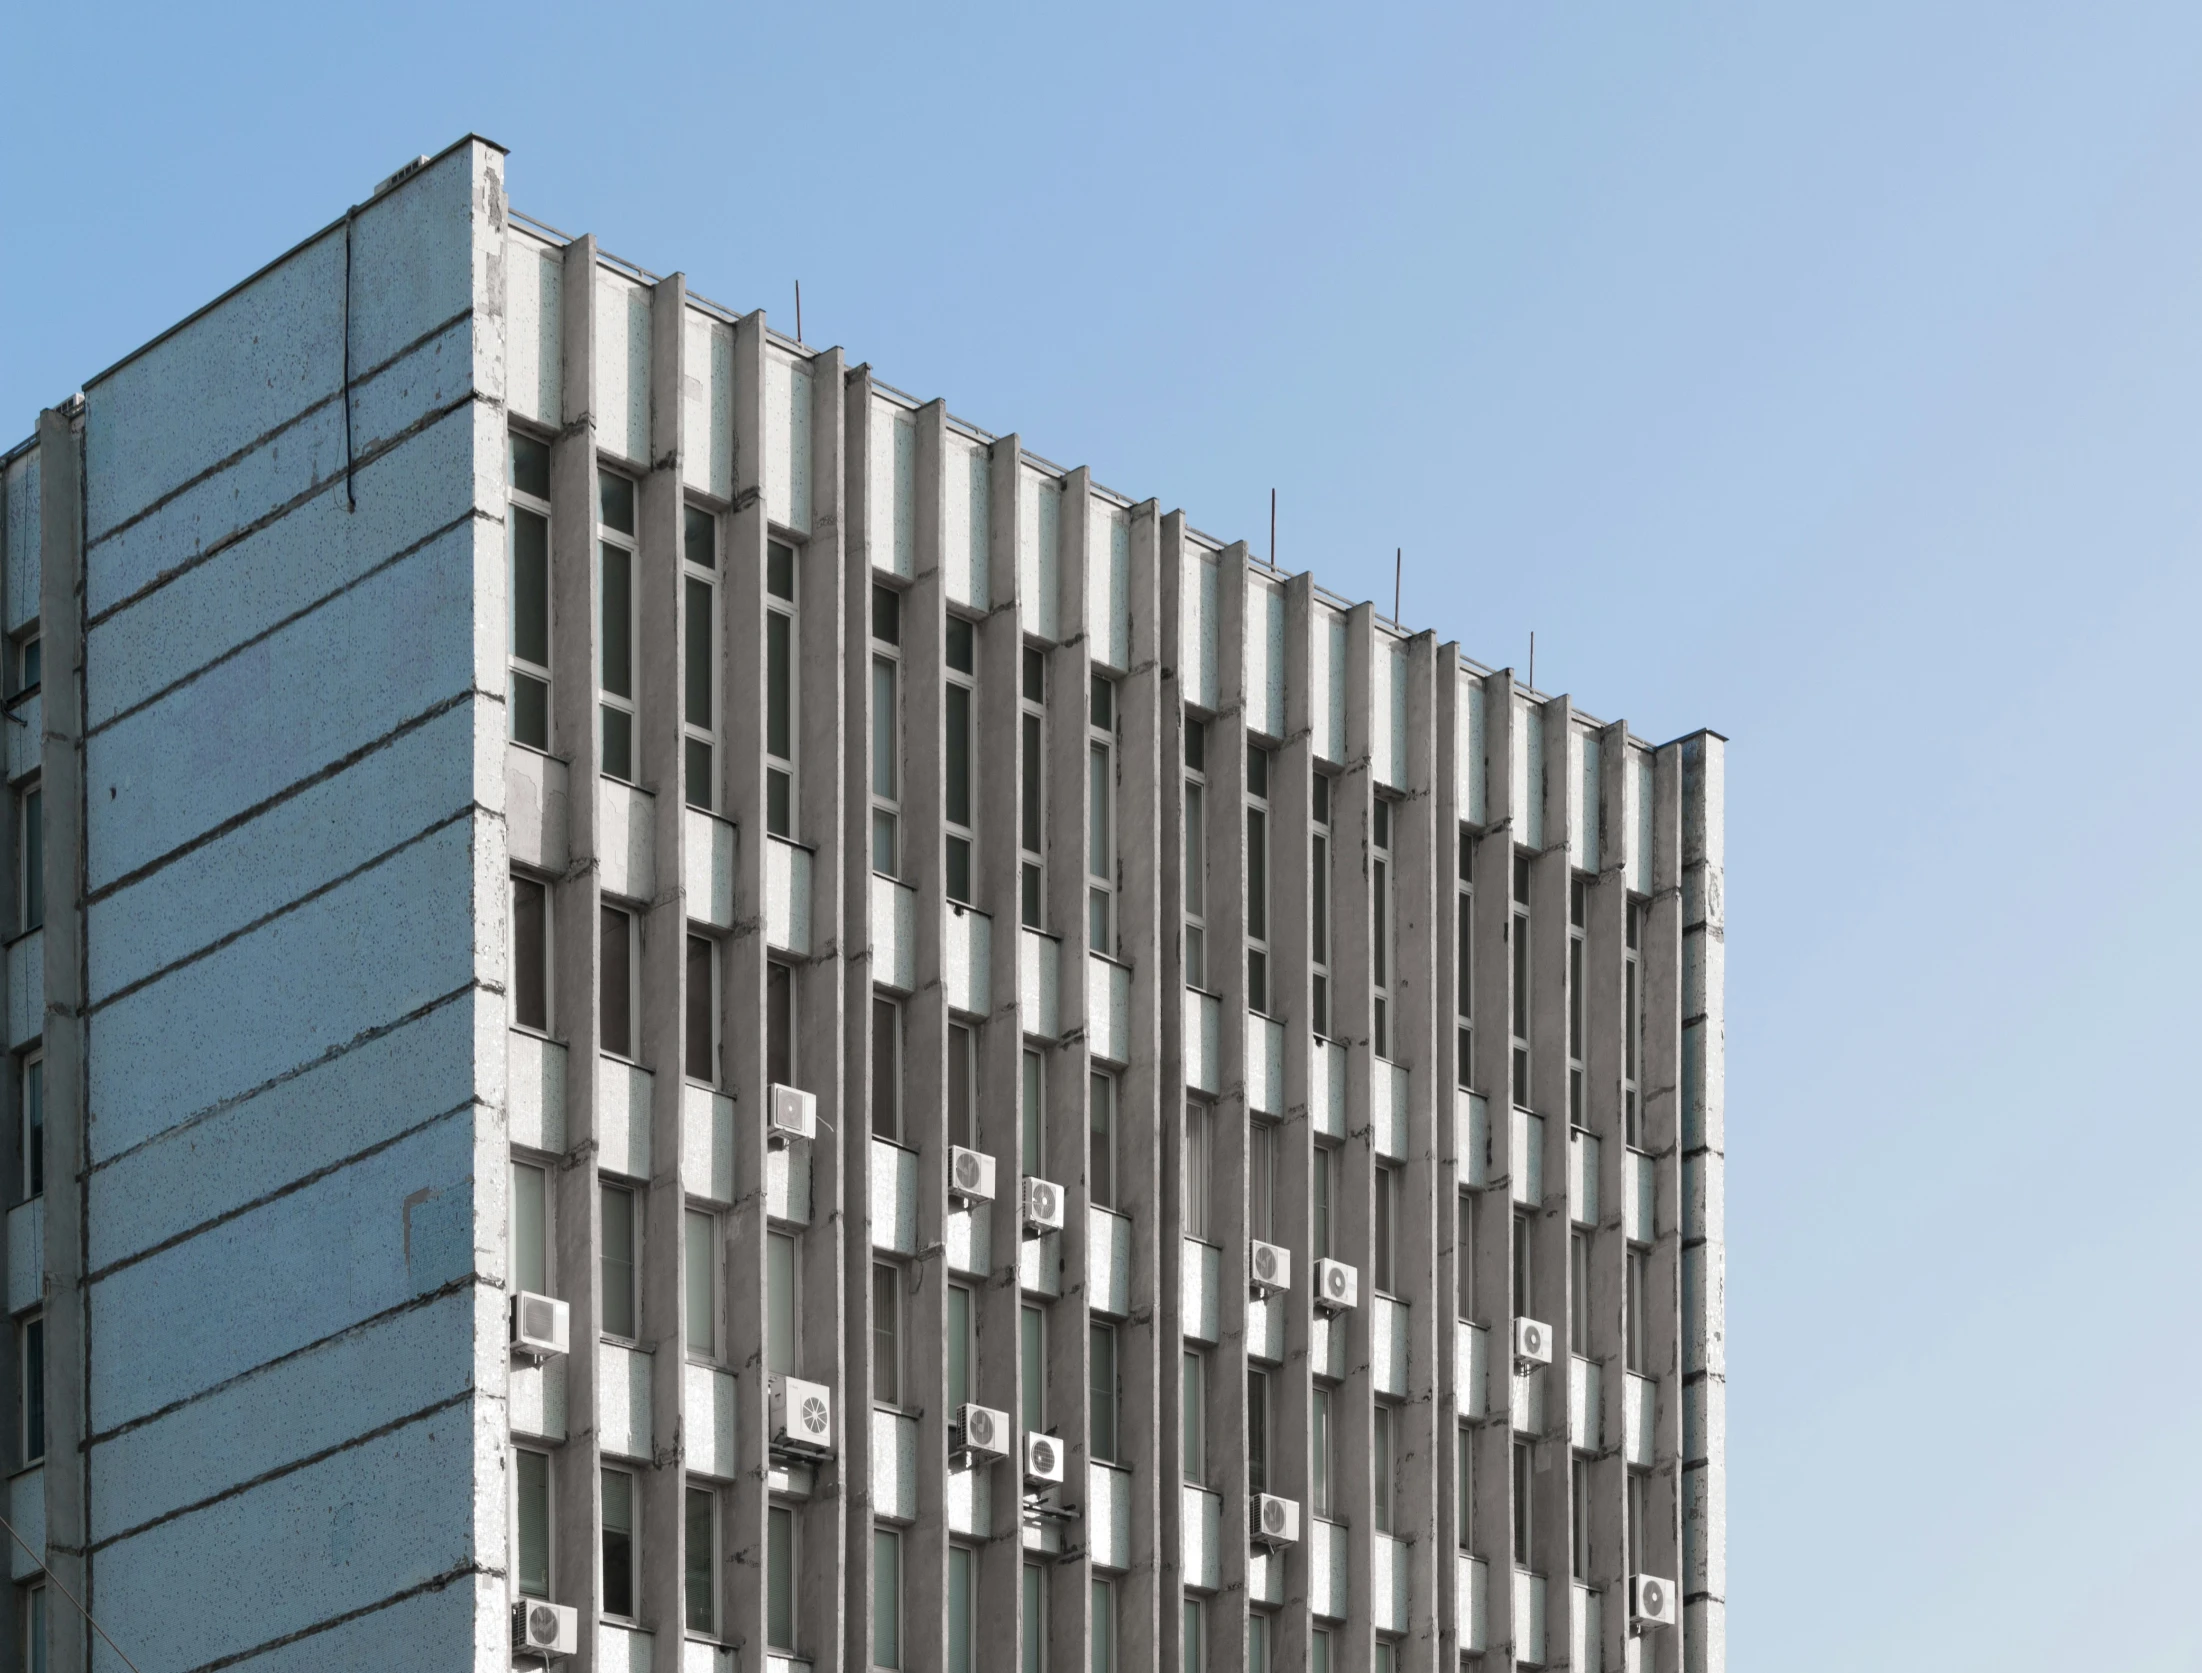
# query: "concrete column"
{"points": [[1605, 1022], [574, 905], [68, 1156], [1490, 960], [1662, 1082], [1171, 1082], [12, 1172], [1449, 1167], [1703, 1138]]}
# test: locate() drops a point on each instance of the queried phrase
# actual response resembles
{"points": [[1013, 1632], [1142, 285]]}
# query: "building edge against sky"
{"points": [[1245, 919]]}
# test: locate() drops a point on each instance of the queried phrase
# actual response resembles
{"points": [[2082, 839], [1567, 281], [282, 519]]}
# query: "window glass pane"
{"points": [[1103, 1643], [1257, 874], [618, 1209], [530, 954], [1319, 1207], [615, 499], [1193, 1420], [1101, 1402], [530, 466], [1030, 1364], [1381, 1231], [1261, 1180], [700, 537], [530, 1244], [1097, 808], [886, 1335], [780, 1025], [886, 615], [1195, 1174], [959, 1347], [780, 1303], [34, 857], [780, 1577], [31, 1353], [1257, 1432], [1032, 1633], [886, 1598], [1380, 1467], [960, 1072], [1257, 1643], [780, 570], [1029, 1114], [699, 645], [619, 1543], [702, 1280], [1319, 1444], [1464, 1256], [531, 1490], [701, 995], [957, 789], [1034, 676], [1100, 1162], [616, 649], [1101, 707], [1464, 1488], [960, 1609], [615, 973], [1257, 771], [530, 587], [1196, 743], [886, 1069], [779, 687], [530, 699], [1029, 790], [1318, 1650], [618, 748], [961, 643], [883, 728], [1194, 1642], [701, 1542]]}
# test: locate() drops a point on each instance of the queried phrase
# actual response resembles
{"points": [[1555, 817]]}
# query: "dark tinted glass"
{"points": [[887, 615], [700, 537], [530, 462], [961, 644], [780, 570], [615, 500]]}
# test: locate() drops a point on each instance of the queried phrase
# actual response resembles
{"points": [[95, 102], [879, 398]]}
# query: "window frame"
{"points": [[606, 1189], [1578, 914], [1101, 798], [1383, 927], [704, 733], [693, 1490], [1464, 963], [1319, 899], [540, 968], [886, 736], [1032, 789], [1256, 885], [518, 667], [783, 801], [703, 1224], [633, 1533], [611, 538], [886, 1336], [964, 834], [550, 1521], [631, 917], [30, 1086], [1522, 976]]}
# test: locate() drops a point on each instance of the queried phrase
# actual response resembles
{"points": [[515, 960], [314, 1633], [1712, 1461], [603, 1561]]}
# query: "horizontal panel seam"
{"points": [[436, 1583]]}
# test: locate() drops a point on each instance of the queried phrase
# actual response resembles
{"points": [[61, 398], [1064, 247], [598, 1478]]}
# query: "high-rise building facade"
{"points": [[666, 1001]]}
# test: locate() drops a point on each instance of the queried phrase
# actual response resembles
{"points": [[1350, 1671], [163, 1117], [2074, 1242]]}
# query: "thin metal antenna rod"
{"points": [[798, 313]]}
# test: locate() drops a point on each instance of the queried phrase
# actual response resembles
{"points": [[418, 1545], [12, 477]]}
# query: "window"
{"points": [[886, 1069], [958, 757], [1381, 1463], [1320, 1190], [1383, 1234], [1319, 888], [700, 1591], [1029, 1122], [1632, 1028], [34, 1629], [886, 731], [1387, 1657], [1322, 1455], [1197, 1173], [530, 955], [1101, 1140], [700, 1279], [780, 716], [1464, 1255], [963, 1076], [1257, 1431], [779, 1024], [1195, 1638], [699, 655], [1032, 1369], [1318, 1650], [1577, 914], [886, 1335], [1257, 878], [618, 1549], [30, 1358], [958, 1346], [1464, 964], [1196, 870], [700, 1032], [1578, 1292], [620, 1261], [780, 1577], [1032, 1633], [780, 1334], [1637, 1325], [1639, 1507], [34, 1124], [531, 1522], [1101, 1391], [615, 651], [1032, 788], [963, 1608], [1257, 1642], [1261, 1181], [1193, 1416], [31, 848], [1518, 934], [1380, 932], [530, 1229], [616, 975], [1464, 1488], [1579, 1522], [1524, 1543], [1102, 1644], [528, 624], [1525, 1293], [1101, 816], [28, 671], [886, 1598]]}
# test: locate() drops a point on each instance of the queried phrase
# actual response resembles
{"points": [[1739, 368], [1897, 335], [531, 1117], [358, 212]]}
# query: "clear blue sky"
{"points": [[1829, 374]]}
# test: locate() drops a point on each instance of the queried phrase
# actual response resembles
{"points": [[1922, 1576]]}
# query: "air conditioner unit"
{"points": [[1337, 1286], [970, 1175], [802, 1414], [541, 1325], [980, 1432], [1043, 1206], [1043, 1460], [793, 1114], [544, 1629], [1532, 1342], [1651, 1601], [1276, 1521], [1269, 1267]]}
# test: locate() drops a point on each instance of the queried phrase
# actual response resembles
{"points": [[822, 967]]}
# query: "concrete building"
{"points": [[1040, 1095]]}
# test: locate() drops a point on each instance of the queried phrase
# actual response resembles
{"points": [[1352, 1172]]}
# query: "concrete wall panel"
{"points": [[19, 536], [533, 364], [26, 989], [1265, 656], [622, 367], [1198, 615], [1109, 585], [1040, 552], [787, 440], [967, 498], [707, 406], [893, 487]]}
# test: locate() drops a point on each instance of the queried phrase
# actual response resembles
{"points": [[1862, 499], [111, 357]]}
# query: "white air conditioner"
{"points": [[802, 1414], [1043, 1460], [544, 1629], [1276, 1521], [970, 1175], [1532, 1342], [1269, 1267], [1337, 1286], [1651, 1601], [1042, 1203], [792, 1114], [541, 1325], [980, 1432]]}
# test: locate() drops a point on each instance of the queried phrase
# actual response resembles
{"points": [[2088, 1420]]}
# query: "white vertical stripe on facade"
{"points": [[1388, 723], [892, 465], [623, 367], [1265, 656], [967, 496], [1468, 750], [1198, 624], [1109, 584], [1528, 803], [707, 402], [1641, 813], [533, 272], [1582, 806], [1039, 552], [787, 440]]}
